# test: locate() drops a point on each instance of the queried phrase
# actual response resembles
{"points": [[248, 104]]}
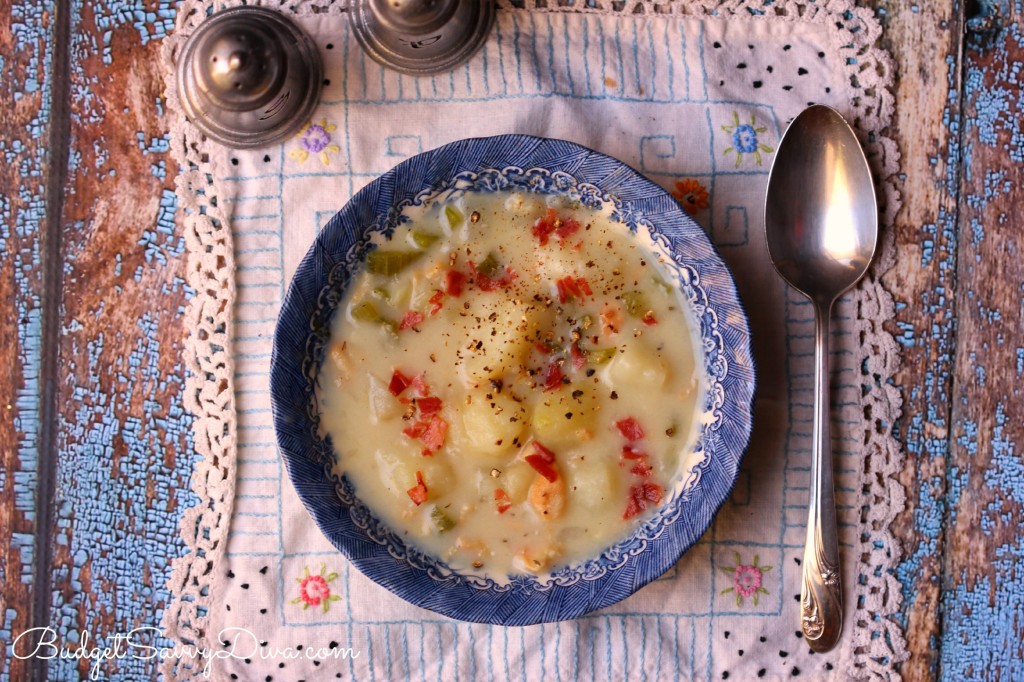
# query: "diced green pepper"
{"points": [[390, 263], [663, 285], [489, 266], [383, 294], [424, 239], [599, 356], [453, 215], [365, 312], [636, 303], [442, 521]]}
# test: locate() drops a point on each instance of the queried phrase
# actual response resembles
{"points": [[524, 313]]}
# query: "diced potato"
{"points": [[567, 415], [536, 559], [398, 465], [637, 366], [383, 405], [593, 482], [491, 424], [516, 479], [341, 360], [501, 336]]}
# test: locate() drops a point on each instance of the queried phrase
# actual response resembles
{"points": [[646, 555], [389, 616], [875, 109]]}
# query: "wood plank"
{"points": [[983, 590], [26, 30], [124, 444], [924, 40]]}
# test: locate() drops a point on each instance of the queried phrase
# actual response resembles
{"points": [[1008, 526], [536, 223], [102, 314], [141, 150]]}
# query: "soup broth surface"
{"points": [[511, 382]]}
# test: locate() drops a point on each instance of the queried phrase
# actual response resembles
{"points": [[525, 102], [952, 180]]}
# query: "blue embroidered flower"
{"points": [[744, 139]]}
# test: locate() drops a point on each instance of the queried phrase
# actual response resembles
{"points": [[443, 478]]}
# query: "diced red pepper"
{"points": [[502, 500], [411, 318], [543, 348], [630, 429], [433, 438], [632, 452], [542, 467], [418, 493], [453, 281], [437, 301], [553, 377], [428, 406], [649, 318], [399, 382]]}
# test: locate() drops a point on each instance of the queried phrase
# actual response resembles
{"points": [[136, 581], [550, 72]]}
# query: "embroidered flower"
{"points": [[314, 589], [315, 138], [744, 139], [691, 194], [746, 579]]}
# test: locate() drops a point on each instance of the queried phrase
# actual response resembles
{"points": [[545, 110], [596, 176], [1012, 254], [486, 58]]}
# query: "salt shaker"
{"points": [[421, 37], [248, 77]]}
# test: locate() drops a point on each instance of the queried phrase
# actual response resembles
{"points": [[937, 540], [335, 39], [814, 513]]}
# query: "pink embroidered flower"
{"points": [[314, 589], [746, 579]]}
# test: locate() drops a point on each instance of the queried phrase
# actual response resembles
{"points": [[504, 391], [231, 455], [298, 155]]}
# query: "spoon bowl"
{"points": [[821, 226], [821, 218]]}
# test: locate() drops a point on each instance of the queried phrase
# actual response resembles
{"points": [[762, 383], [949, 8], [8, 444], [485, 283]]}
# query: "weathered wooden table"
{"points": [[92, 274]]}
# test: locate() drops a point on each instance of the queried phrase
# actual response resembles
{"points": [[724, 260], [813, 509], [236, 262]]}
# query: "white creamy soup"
{"points": [[511, 384]]}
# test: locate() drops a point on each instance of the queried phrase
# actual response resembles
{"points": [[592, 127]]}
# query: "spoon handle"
{"points": [[821, 597]]}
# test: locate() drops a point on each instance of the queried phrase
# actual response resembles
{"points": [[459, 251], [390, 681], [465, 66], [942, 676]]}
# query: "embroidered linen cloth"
{"points": [[696, 98]]}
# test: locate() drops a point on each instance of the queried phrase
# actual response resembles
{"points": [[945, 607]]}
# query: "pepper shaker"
{"points": [[421, 37], [248, 77]]}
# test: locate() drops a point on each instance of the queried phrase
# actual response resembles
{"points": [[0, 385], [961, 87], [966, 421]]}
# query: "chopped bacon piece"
{"points": [[418, 493], [611, 319], [630, 429], [579, 358], [419, 387], [453, 281], [543, 228], [399, 382], [542, 467], [502, 500], [649, 318], [437, 301], [487, 283], [562, 228], [565, 228], [632, 452], [573, 288], [433, 438], [416, 430], [639, 497], [543, 348], [429, 405], [547, 454], [411, 318], [642, 469], [553, 377]]}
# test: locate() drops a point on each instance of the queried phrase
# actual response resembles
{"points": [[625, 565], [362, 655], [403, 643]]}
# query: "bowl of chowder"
{"points": [[512, 380]]}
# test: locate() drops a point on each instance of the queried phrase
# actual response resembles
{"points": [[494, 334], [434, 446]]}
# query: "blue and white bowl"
{"points": [[505, 163]]}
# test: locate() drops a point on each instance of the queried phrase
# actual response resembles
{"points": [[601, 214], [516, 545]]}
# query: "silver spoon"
{"points": [[821, 224]]}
